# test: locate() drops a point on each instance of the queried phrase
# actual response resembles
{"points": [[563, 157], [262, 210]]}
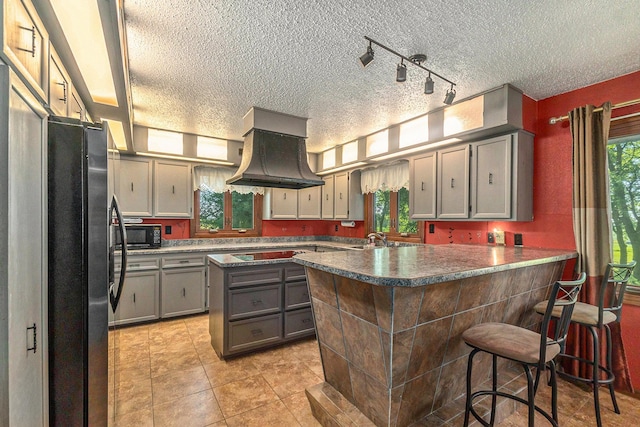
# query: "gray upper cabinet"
{"points": [[327, 197], [502, 178], [173, 196], [134, 188], [347, 196], [23, 254], [59, 86], [76, 106], [281, 203], [453, 182], [309, 203], [26, 44], [422, 176]]}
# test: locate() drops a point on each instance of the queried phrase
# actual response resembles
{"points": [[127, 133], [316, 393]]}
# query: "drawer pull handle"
{"points": [[285, 196], [33, 41], [306, 320], [255, 332], [134, 265], [173, 189], [184, 261], [256, 301], [35, 338], [327, 196], [305, 295], [340, 196]]}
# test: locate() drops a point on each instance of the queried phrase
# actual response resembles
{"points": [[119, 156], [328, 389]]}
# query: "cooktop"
{"points": [[267, 255]]}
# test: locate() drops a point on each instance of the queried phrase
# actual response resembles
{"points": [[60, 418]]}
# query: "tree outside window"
{"points": [[228, 213], [624, 187], [390, 214]]}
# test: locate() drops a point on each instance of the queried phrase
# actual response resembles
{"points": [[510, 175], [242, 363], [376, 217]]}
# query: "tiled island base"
{"points": [[394, 356]]}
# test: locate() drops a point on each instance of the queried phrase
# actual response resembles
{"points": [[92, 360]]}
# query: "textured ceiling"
{"points": [[198, 66]]}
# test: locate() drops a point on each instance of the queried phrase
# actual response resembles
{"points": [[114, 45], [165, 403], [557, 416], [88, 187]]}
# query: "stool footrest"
{"points": [[508, 396], [610, 376]]}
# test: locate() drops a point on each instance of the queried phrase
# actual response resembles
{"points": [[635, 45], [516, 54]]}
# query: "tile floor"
{"points": [[167, 374]]}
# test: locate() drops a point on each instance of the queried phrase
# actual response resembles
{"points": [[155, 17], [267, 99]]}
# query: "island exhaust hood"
{"points": [[274, 153]]}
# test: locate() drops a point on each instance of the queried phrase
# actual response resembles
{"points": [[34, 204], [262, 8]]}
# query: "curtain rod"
{"points": [[554, 120]]}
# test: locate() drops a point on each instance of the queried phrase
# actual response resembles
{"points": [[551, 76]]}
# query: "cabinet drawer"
{"points": [[296, 295], [299, 322], [255, 332], [254, 277], [183, 261], [254, 301], [143, 264], [295, 272]]}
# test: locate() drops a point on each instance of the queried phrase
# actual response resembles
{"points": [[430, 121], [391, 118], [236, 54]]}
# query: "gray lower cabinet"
{"points": [[140, 298], [183, 285], [259, 306]]}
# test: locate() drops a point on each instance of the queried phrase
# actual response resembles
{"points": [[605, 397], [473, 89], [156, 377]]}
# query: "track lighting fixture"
{"points": [[401, 70], [428, 85], [367, 57], [451, 93]]}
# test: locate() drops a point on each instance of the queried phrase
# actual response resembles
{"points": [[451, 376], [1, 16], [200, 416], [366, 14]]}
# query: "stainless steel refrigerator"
{"points": [[80, 289]]}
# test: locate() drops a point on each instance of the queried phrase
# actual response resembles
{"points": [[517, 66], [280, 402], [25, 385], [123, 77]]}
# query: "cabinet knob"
{"points": [[256, 301], [255, 332]]}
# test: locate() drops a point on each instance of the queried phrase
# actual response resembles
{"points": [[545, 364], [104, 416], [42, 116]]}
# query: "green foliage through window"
{"points": [[384, 220], [241, 210], [211, 209]]}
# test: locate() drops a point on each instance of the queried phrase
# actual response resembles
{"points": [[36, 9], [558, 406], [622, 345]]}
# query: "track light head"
{"points": [[401, 73], [428, 85], [451, 94], [367, 57]]}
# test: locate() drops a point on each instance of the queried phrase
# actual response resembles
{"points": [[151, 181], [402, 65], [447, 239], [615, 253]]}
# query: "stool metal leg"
{"points": [[530, 395], [494, 388], [467, 405], [610, 367], [554, 390], [596, 373]]}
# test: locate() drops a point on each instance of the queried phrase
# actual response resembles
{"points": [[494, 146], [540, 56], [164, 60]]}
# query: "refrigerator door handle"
{"points": [[114, 298]]}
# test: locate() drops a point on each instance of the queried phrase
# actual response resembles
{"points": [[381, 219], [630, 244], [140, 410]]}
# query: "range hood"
{"points": [[274, 153]]}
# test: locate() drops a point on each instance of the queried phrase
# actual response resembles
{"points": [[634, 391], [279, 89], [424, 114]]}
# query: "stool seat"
{"points": [[584, 314], [509, 341]]}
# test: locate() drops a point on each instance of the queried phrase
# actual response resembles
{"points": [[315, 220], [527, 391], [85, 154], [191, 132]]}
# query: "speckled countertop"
{"points": [[423, 265]]}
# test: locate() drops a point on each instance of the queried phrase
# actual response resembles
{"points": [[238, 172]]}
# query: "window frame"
{"points": [[392, 234], [227, 231]]}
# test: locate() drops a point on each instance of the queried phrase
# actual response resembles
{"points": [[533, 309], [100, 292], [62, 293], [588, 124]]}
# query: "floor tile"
{"points": [[289, 377], [140, 418], [132, 395], [241, 396], [274, 414], [178, 384], [298, 405], [224, 372], [195, 410]]}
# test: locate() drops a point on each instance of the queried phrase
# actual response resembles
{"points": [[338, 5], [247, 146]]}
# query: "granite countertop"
{"points": [[423, 265], [240, 247]]}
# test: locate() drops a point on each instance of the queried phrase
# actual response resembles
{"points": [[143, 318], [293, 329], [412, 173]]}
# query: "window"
{"points": [[225, 211], [387, 202], [624, 187]]}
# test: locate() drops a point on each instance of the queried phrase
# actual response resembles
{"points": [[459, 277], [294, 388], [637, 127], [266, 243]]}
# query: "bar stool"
{"points": [[528, 348], [608, 310]]}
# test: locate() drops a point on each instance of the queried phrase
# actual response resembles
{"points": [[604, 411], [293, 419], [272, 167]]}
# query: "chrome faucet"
{"points": [[373, 236]]}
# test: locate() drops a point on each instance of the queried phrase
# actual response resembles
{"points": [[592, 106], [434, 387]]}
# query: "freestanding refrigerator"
{"points": [[79, 290]]}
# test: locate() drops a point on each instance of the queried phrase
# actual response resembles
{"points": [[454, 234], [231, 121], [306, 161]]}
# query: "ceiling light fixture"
{"points": [[428, 85], [367, 57], [451, 93], [401, 71]]}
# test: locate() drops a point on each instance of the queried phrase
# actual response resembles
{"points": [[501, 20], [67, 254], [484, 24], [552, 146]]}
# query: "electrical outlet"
{"points": [[517, 239], [432, 228], [336, 227], [499, 235], [167, 229], [490, 238]]}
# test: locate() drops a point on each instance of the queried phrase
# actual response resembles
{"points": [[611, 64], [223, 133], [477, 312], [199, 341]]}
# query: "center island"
{"points": [[389, 323]]}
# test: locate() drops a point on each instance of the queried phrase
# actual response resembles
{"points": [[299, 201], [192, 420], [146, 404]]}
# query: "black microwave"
{"points": [[142, 236]]}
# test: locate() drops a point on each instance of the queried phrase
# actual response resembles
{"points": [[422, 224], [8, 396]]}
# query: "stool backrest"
{"points": [[614, 285], [564, 294]]}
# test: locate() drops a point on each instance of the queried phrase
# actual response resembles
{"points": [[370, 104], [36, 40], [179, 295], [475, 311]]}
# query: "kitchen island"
{"points": [[389, 323]]}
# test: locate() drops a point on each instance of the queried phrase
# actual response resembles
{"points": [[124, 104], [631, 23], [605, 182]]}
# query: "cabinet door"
{"points": [[453, 182], [491, 178], [423, 187], [59, 86], [140, 298], [26, 43], [23, 254], [284, 203], [327, 197], [341, 196], [76, 106], [182, 291], [309, 203], [134, 188], [173, 196]]}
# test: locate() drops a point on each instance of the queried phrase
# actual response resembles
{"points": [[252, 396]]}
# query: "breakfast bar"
{"points": [[389, 323]]}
